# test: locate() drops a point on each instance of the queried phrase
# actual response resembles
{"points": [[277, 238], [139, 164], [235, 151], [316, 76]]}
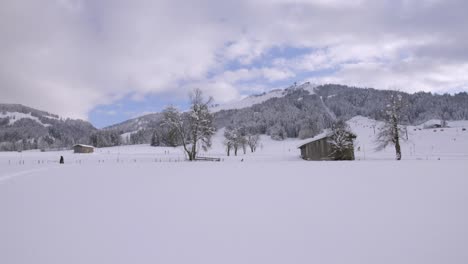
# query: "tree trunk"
{"points": [[228, 150], [396, 138], [194, 150], [189, 154], [398, 149]]}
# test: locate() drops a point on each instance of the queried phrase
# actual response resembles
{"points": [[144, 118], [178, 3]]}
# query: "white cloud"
{"points": [[270, 74], [410, 76], [273, 74], [67, 56]]}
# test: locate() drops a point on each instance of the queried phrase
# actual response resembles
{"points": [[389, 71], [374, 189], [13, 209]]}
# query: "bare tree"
{"points": [[252, 141], [228, 141], [392, 130], [443, 119], [195, 127], [235, 139]]}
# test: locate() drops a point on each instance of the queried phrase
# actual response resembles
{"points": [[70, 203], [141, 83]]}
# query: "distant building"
{"points": [[432, 126], [319, 148], [80, 148]]}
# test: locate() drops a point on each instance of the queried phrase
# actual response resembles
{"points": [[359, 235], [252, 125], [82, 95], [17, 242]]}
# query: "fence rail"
{"points": [[120, 160], [208, 159]]}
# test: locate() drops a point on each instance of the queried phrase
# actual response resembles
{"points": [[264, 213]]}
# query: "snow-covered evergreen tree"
{"points": [[155, 141], [341, 139]]}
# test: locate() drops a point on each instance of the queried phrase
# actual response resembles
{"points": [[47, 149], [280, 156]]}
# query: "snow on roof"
{"points": [[322, 135], [431, 122], [83, 145]]}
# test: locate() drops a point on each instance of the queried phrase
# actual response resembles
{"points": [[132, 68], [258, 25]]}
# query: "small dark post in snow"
{"points": [[62, 160]]}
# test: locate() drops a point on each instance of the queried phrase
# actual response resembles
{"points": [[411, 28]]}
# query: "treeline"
{"points": [[346, 102], [302, 115], [26, 134], [157, 135]]}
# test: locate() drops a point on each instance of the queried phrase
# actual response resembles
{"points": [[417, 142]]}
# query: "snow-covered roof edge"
{"points": [[83, 145], [322, 135]]}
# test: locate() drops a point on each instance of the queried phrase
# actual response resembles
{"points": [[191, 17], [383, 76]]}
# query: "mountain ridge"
{"points": [[298, 111], [304, 110]]}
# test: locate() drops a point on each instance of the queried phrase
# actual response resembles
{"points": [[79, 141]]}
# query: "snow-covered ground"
{"points": [[140, 204], [422, 144]]}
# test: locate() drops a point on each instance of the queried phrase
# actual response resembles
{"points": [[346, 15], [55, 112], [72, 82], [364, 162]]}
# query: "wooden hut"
{"points": [[319, 148], [80, 148]]}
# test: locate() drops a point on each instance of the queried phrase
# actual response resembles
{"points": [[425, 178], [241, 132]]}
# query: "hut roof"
{"points": [[325, 134], [320, 136], [82, 145]]}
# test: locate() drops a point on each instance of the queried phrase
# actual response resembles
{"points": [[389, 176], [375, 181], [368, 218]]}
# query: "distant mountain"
{"points": [[153, 120], [260, 98], [135, 124], [137, 130], [141, 129], [299, 111], [22, 127], [302, 111]]}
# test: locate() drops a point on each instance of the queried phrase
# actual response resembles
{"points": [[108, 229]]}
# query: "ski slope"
{"points": [[16, 116]]}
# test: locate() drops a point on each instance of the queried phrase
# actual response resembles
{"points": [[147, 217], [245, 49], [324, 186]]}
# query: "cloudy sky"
{"points": [[110, 60]]}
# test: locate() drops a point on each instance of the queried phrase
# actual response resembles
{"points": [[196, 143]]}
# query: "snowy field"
{"points": [[139, 204]]}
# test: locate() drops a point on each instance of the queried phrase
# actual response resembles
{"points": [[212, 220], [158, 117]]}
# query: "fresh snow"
{"points": [[141, 204], [422, 144], [83, 145]]}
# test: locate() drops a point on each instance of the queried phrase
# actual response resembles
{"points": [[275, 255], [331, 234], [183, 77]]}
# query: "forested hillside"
{"points": [[301, 113], [24, 128]]}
